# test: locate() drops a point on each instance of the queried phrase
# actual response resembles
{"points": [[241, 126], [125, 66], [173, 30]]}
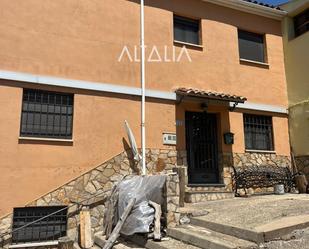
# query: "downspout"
{"points": [[143, 130]]}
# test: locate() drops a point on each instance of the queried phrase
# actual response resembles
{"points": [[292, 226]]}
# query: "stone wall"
{"points": [[172, 200], [302, 164], [228, 160], [99, 181], [250, 159]]}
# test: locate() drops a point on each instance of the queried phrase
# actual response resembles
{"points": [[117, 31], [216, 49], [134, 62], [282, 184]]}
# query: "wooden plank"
{"points": [[116, 232], [109, 216], [86, 240], [157, 220]]}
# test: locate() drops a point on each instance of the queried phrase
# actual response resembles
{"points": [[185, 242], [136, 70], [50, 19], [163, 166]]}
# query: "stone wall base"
{"points": [[101, 180]]}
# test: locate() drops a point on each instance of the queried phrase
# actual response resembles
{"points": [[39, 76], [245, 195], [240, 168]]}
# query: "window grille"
{"points": [[48, 229], [46, 114], [258, 132], [186, 30]]}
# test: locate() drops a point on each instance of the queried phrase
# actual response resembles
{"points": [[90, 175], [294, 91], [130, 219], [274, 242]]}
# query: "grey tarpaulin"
{"points": [[144, 189]]}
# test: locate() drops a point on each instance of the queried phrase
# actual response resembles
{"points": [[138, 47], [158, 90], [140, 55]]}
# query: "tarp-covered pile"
{"points": [[143, 189]]}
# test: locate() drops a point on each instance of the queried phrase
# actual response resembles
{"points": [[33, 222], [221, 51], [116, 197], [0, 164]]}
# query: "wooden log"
{"points": [[86, 240], [181, 171], [116, 232], [65, 243], [157, 220], [301, 183], [109, 216]]}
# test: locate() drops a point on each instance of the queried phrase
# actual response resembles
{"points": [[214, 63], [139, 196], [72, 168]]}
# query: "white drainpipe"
{"points": [[143, 131]]}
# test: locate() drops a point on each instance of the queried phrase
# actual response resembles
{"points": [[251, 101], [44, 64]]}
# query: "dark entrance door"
{"points": [[202, 147]]}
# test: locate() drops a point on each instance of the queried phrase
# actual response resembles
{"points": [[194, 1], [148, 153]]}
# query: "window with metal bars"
{"points": [[46, 114], [258, 132], [48, 228]]}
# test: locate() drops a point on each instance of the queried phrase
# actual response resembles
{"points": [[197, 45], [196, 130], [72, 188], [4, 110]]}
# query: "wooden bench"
{"points": [[261, 176]]}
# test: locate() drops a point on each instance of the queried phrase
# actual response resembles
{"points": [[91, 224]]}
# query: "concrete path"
{"points": [[256, 211]]}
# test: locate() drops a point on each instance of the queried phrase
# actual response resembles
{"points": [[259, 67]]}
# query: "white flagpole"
{"points": [[143, 88]]}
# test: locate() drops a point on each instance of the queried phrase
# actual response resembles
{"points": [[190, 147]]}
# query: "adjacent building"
{"points": [[295, 41], [70, 77]]}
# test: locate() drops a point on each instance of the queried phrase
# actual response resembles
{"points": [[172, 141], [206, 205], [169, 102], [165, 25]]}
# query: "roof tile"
{"points": [[193, 92]]}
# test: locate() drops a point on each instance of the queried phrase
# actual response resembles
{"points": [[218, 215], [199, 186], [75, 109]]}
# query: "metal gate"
{"points": [[202, 147]]}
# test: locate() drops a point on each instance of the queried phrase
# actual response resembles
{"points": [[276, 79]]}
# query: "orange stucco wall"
{"points": [[32, 168], [83, 40], [233, 122], [280, 131]]}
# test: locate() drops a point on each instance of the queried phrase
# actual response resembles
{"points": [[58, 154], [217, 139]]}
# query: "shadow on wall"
{"points": [[217, 13], [133, 164]]}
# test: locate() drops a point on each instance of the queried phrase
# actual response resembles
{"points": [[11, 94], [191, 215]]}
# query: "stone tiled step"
{"points": [[262, 233], [206, 188], [121, 243], [208, 239], [167, 243], [201, 196]]}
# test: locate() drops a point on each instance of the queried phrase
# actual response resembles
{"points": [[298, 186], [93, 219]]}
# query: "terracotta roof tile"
{"points": [[209, 94]]}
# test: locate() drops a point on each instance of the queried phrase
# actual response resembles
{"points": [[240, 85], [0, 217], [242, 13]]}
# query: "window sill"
{"points": [[46, 139], [187, 44], [34, 244], [262, 151], [258, 63], [218, 185]]}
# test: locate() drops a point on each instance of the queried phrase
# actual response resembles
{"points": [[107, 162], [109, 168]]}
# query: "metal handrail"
{"points": [[58, 211]]}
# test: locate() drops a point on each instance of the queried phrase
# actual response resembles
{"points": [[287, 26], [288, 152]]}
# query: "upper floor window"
{"points": [[258, 132], [251, 46], [46, 114], [186, 30], [301, 23]]}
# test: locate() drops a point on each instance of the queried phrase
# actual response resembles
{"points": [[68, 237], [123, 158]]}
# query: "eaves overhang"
{"points": [[251, 7], [209, 95]]}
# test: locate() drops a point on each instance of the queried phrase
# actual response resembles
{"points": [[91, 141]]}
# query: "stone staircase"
{"points": [[139, 242], [203, 194], [208, 239], [188, 236]]}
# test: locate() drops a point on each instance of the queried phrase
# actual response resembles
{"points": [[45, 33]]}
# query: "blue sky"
{"points": [[274, 2]]}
